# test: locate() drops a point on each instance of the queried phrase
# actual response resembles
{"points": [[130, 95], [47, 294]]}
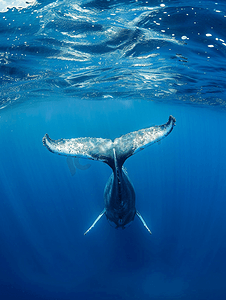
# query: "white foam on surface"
{"points": [[6, 4]]}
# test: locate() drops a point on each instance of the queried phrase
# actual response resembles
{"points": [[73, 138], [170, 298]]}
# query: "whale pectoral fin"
{"points": [[94, 223], [136, 141], [142, 220], [91, 148]]}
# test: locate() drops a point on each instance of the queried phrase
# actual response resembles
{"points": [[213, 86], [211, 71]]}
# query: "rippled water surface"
{"points": [[152, 50]]}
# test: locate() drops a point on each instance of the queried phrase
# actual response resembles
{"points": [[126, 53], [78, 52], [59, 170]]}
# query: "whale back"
{"points": [[119, 197]]}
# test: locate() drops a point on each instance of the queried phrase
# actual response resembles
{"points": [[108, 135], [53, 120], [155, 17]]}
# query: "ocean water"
{"points": [[102, 69]]}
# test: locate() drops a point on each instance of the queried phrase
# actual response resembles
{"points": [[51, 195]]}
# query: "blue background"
{"points": [[180, 190]]}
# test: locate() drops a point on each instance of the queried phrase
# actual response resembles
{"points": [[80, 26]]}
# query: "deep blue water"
{"points": [[103, 69]]}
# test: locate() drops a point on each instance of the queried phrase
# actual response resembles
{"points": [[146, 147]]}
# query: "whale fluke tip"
{"points": [[44, 139], [171, 118]]}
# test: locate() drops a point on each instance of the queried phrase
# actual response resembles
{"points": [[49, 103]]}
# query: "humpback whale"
{"points": [[119, 194]]}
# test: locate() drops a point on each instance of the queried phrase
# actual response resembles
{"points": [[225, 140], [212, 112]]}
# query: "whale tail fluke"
{"points": [[102, 149]]}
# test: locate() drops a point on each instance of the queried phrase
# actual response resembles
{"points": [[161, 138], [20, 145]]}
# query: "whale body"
{"points": [[119, 194]]}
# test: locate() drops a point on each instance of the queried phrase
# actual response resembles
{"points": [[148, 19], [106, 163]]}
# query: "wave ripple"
{"points": [[98, 49]]}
